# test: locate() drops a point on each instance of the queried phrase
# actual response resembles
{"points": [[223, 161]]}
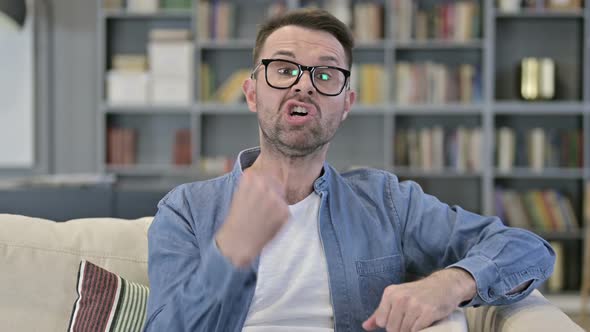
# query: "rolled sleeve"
{"points": [[499, 258]]}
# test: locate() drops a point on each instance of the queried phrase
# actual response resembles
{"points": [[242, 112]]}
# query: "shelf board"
{"points": [[230, 44], [380, 44], [439, 109], [145, 109], [363, 109], [554, 235], [440, 45], [541, 14], [163, 14], [218, 108], [153, 170], [548, 173], [537, 108], [446, 173]]}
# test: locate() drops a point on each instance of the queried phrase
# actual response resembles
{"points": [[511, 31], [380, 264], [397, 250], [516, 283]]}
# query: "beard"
{"points": [[296, 141]]}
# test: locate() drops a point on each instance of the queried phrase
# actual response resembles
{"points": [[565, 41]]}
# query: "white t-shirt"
{"points": [[292, 292]]}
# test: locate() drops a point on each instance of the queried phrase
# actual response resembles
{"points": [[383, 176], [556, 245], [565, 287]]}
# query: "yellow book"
{"points": [[231, 90], [555, 282], [205, 82]]}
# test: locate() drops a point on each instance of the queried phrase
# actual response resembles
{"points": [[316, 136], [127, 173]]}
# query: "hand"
{"points": [[416, 305], [258, 211]]}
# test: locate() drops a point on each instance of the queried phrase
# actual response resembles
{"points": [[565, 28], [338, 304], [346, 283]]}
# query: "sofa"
{"points": [[40, 267]]}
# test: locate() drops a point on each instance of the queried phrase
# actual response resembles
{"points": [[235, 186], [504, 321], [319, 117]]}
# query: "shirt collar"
{"points": [[247, 157]]}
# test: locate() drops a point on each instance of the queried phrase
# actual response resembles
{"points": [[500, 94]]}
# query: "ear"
{"points": [[349, 100], [249, 89]]}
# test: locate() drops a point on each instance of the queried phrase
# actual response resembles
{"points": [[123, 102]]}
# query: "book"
{"points": [[230, 90], [121, 146], [529, 79], [556, 281], [371, 83], [505, 151], [536, 149], [142, 6], [112, 4], [206, 82], [564, 4], [171, 90], [516, 213], [130, 62], [204, 20], [176, 4], [127, 87], [171, 58], [169, 34], [182, 147]]}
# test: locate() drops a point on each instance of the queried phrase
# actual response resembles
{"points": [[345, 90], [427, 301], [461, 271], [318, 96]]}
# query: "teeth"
{"points": [[299, 109]]}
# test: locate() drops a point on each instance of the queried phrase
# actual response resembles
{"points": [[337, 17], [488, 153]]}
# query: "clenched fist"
{"points": [[416, 305], [257, 213]]}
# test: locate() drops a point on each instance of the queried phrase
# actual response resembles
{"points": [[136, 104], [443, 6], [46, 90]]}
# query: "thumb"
{"points": [[371, 323]]}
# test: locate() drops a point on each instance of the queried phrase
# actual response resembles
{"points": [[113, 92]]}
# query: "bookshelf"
{"points": [[478, 58]]}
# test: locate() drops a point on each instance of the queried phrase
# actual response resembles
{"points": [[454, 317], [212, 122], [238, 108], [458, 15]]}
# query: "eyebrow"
{"points": [[292, 55]]}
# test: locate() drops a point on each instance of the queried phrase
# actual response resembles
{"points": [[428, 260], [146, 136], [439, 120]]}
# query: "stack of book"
{"points": [[170, 54], [454, 21], [182, 147], [368, 79], [147, 6], [128, 80], [368, 21], [436, 149], [142, 6], [216, 20], [538, 148], [121, 146], [435, 83], [544, 211]]}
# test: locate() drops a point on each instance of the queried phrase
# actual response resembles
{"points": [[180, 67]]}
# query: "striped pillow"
{"points": [[107, 302]]}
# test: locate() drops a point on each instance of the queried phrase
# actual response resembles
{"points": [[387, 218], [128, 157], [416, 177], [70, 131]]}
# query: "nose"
{"points": [[305, 85]]}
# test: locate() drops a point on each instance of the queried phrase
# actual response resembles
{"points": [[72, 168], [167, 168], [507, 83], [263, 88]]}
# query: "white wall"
{"points": [[17, 102]]}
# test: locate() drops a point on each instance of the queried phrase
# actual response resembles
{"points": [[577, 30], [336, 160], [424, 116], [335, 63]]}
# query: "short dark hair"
{"points": [[314, 19]]}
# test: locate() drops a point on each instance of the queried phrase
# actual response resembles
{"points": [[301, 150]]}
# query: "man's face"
{"points": [[299, 120]]}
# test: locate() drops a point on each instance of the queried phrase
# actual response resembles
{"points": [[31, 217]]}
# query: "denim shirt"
{"points": [[375, 231]]}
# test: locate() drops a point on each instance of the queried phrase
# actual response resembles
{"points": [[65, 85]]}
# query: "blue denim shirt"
{"points": [[375, 231]]}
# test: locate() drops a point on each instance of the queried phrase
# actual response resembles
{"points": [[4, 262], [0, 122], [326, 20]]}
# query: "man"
{"points": [[286, 243]]}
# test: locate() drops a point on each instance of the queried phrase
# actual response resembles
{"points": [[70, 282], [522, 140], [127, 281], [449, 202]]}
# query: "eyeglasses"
{"points": [[283, 74]]}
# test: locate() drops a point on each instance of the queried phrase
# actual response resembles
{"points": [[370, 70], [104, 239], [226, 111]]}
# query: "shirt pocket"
{"points": [[374, 276]]}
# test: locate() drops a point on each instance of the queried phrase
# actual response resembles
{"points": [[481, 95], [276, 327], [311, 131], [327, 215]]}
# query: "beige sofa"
{"points": [[39, 261]]}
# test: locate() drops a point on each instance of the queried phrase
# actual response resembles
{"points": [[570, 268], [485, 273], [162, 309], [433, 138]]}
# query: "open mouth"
{"points": [[298, 111]]}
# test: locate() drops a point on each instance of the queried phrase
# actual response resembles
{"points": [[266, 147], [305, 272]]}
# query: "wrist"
{"points": [[232, 250], [466, 285], [461, 283]]}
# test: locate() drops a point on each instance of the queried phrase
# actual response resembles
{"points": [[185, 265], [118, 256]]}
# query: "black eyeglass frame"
{"points": [[302, 69]]}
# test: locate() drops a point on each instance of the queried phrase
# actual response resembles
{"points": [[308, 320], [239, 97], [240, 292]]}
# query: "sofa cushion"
{"points": [[107, 302], [39, 261], [533, 313]]}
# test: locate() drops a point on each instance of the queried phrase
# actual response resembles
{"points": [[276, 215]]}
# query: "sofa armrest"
{"points": [[455, 322], [534, 313]]}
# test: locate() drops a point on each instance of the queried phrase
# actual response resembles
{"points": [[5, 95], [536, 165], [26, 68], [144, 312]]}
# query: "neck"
{"points": [[296, 174]]}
